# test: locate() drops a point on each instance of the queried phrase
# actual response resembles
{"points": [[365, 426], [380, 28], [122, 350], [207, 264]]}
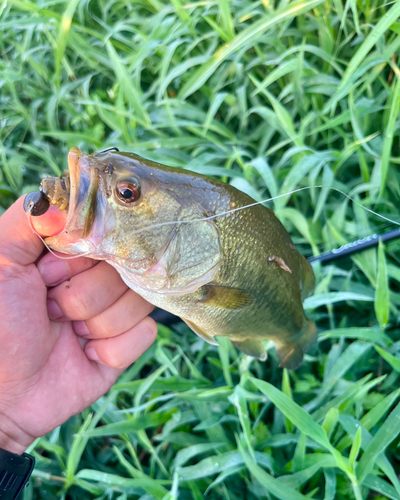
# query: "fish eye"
{"points": [[128, 190]]}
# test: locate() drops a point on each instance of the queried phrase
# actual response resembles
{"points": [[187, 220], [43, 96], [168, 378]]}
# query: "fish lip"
{"points": [[81, 177], [73, 238], [74, 174]]}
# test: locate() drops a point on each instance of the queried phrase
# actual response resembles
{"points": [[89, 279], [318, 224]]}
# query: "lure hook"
{"points": [[113, 148]]}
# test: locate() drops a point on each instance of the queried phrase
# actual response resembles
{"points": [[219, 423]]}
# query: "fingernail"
{"points": [[53, 310], [92, 354], [54, 272], [80, 328]]}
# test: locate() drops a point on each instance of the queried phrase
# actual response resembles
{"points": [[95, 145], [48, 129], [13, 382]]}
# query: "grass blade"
{"points": [[384, 436], [299, 417], [385, 22], [247, 37], [62, 37], [388, 142], [131, 93], [382, 300]]}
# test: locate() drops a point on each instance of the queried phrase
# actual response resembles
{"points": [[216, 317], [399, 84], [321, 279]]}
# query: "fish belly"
{"points": [[246, 327]]}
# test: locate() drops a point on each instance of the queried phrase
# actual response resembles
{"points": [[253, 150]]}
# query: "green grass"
{"points": [[270, 96]]}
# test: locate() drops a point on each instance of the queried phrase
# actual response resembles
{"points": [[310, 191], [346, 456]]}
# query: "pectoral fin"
{"points": [[201, 333], [253, 348], [225, 297]]}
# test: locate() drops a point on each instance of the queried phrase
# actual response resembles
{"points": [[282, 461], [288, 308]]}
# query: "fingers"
{"points": [[121, 351], [18, 243], [55, 270], [127, 311], [86, 294]]}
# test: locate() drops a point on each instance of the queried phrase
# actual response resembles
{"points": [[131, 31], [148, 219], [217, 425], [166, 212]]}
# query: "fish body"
{"points": [[180, 240]]}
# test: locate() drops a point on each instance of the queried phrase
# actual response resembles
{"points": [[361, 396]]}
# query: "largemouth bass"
{"points": [[236, 275]]}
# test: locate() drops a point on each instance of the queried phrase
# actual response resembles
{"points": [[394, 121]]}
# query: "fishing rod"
{"points": [[355, 247]]}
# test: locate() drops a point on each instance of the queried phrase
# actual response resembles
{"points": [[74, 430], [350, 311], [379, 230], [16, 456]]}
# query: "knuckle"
{"points": [[109, 358], [101, 326], [74, 303], [150, 327], [80, 264]]}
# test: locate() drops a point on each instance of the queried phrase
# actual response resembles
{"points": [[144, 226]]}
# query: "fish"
{"points": [[185, 243]]}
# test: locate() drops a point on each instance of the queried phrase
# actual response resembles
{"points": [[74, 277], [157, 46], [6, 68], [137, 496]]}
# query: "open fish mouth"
{"points": [[68, 191], [56, 191], [76, 191]]}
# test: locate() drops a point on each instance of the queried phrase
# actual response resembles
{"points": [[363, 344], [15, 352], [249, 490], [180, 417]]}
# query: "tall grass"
{"points": [[269, 96]]}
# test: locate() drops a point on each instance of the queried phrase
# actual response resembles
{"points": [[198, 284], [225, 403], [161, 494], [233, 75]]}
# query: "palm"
{"points": [[55, 378]]}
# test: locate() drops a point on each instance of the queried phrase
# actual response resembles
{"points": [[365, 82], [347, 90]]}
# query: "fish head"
{"points": [[140, 216]]}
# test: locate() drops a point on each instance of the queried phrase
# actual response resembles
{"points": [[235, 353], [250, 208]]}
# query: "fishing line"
{"points": [[210, 217], [233, 210]]}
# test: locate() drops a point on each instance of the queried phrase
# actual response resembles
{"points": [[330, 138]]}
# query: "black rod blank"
{"points": [[355, 247]]}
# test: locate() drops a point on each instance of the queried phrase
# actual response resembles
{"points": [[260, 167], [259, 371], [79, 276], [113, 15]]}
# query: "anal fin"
{"points": [[201, 333], [291, 354], [253, 348]]}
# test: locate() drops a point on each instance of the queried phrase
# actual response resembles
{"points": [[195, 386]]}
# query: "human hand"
{"points": [[68, 328]]}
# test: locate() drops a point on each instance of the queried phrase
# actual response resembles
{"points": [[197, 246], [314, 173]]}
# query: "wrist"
{"points": [[12, 437]]}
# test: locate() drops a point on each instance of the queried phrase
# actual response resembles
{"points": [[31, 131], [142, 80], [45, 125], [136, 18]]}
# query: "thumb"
{"points": [[50, 223], [18, 243]]}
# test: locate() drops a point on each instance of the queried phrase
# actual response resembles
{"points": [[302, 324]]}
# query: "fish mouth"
{"points": [[84, 204]]}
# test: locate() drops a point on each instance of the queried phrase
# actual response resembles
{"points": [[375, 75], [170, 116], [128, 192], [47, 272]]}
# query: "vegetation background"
{"points": [[270, 96]]}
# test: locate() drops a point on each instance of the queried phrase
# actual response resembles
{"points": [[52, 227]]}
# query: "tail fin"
{"points": [[291, 354]]}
